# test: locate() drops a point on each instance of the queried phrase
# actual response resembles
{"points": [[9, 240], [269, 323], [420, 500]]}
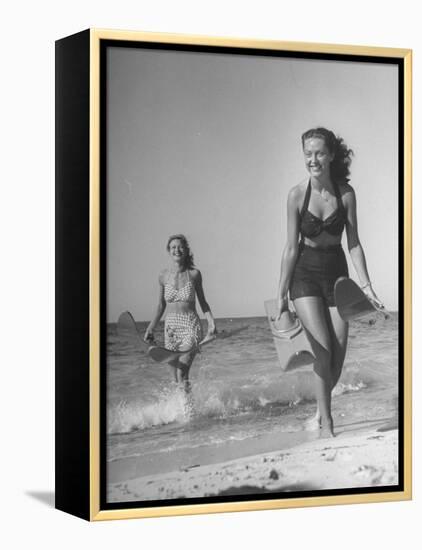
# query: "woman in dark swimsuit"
{"points": [[317, 212], [179, 287]]}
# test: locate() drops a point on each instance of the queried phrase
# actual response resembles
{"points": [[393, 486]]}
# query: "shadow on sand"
{"points": [[255, 490]]}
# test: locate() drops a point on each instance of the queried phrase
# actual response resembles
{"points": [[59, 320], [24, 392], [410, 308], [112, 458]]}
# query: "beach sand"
{"points": [[364, 457]]}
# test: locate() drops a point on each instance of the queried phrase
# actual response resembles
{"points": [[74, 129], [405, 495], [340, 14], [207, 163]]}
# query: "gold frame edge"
{"points": [[204, 40], [249, 506], [193, 509], [407, 279]]}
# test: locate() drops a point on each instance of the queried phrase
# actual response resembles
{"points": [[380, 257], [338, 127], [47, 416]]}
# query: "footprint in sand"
{"points": [[330, 457], [370, 474]]}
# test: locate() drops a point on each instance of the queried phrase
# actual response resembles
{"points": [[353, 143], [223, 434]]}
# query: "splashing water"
{"points": [[238, 389]]}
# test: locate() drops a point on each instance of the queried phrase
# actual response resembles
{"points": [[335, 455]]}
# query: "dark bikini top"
{"points": [[311, 226]]}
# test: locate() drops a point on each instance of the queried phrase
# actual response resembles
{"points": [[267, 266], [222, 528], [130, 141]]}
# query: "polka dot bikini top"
{"points": [[184, 294]]}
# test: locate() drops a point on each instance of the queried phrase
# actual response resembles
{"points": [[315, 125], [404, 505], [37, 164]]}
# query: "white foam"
{"points": [[213, 399], [136, 415]]}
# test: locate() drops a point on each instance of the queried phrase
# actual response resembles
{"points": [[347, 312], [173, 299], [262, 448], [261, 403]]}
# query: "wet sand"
{"points": [[362, 457]]}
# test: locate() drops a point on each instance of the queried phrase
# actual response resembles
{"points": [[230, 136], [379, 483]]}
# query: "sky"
{"points": [[208, 145]]}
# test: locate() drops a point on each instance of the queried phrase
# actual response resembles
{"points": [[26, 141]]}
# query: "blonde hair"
{"points": [[189, 263]]}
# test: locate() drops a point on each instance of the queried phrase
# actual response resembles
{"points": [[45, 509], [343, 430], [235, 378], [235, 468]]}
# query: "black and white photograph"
{"points": [[253, 256], [211, 258]]}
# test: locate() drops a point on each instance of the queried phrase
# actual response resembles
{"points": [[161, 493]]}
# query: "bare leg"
{"points": [[174, 368], [339, 331], [185, 363], [312, 313], [180, 369]]}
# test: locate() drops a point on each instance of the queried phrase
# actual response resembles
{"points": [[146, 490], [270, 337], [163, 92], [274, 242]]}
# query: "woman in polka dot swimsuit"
{"points": [[179, 287]]}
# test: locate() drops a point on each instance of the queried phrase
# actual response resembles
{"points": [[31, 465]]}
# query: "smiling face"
{"points": [[317, 157], [177, 250]]}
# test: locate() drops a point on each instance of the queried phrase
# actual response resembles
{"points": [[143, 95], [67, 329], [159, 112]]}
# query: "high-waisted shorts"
{"points": [[316, 271], [182, 331]]}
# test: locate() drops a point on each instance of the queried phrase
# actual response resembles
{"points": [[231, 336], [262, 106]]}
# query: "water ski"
{"points": [[293, 348], [352, 303], [127, 328], [164, 355]]}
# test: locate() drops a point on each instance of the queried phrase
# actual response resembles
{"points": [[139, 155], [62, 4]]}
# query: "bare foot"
{"points": [[327, 429], [313, 424]]}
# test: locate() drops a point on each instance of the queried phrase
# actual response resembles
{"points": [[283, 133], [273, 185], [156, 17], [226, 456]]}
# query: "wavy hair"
{"points": [[340, 165], [189, 263]]}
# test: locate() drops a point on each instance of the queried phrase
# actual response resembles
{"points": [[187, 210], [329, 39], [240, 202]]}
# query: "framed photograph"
{"points": [[233, 276]]}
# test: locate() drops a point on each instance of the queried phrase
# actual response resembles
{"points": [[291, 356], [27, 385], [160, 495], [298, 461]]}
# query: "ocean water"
{"points": [[240, 397]]}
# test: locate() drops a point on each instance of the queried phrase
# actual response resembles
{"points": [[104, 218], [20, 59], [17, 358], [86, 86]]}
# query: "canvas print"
{"points": [[252, 275]]}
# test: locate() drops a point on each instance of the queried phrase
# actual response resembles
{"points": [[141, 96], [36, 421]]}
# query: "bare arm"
{"points": [[161, 306], [203, 303], [355, 248], [290, 251]]}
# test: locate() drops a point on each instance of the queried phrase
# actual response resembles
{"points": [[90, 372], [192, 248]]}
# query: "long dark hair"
{"points": [[189, 263], [340, 165]]}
